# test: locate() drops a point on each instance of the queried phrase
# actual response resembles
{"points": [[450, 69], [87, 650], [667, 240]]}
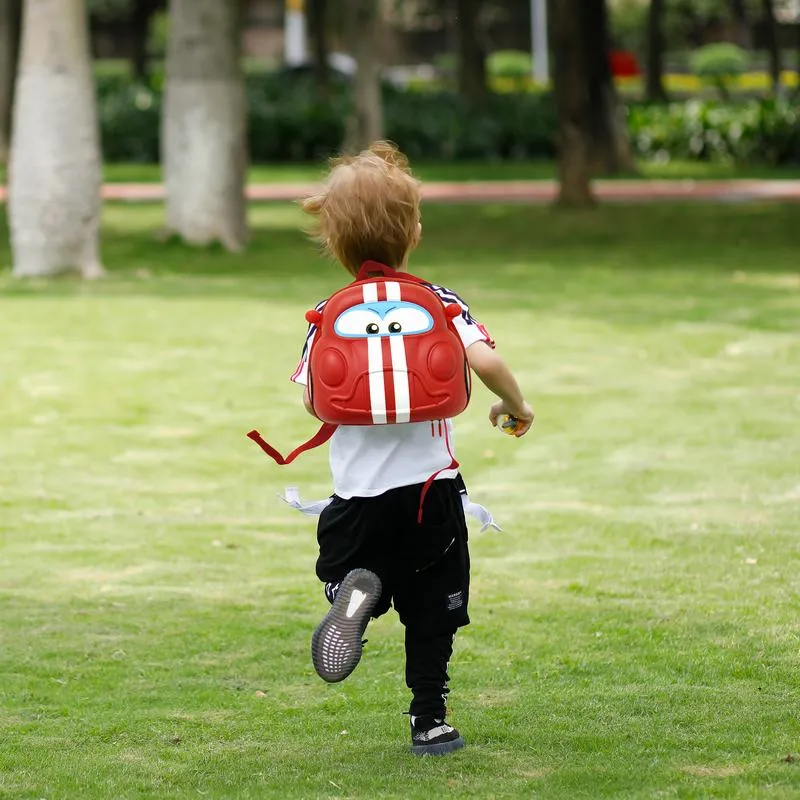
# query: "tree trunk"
{"points": [[571, 82], [797, 55], [204, 144], [318, 22], [741, 24], [609, 145], [55, 164], [771, 28], [143, 11], [656, 93], [471, 57], [363, 30], [10, 26]]}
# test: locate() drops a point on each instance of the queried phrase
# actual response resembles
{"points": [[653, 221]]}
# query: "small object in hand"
{"points": [[508, 424]]}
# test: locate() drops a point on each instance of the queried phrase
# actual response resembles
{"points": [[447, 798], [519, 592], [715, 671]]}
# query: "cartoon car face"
{"points": [[384, 318], [387, 352]]}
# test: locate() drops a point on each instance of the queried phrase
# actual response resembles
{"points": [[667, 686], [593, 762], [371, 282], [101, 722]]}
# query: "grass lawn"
{"points": [[474, 171], [635, 628], [468, 171]]}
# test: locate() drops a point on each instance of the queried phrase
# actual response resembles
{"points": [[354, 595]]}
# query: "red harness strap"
{"points": [[453, 465], [320, 437]]}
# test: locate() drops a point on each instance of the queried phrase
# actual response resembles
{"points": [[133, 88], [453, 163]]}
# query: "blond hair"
{"points": [[368, 208]]}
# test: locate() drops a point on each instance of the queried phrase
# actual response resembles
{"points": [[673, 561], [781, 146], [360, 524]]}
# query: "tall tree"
{"points": [[797, 53], [571, 76], [318, 22], [142, 14], [133, 17], [204, 146], [471, 55], [55, 163], [773, 48], [656, 93], [10, 26], [609, 145], [363, 34], [741, 24]]}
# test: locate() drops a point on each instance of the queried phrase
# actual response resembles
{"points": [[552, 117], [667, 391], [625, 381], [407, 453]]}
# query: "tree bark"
{"points": [[741, 23], [10, 27], [363, 31], [655, 91], [609, 146], [318, 22], [571, 82], [771, 28], [797, 55], [143, 11], [471, 57], [55, 163], [204, 144]]}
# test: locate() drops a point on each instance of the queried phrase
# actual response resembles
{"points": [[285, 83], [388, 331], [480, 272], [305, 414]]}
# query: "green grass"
{"points": [[635, 628], [472, 171], [467, 171]]}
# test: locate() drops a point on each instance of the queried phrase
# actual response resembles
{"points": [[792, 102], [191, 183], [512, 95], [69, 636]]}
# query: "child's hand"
{"points": [[524, 416]]}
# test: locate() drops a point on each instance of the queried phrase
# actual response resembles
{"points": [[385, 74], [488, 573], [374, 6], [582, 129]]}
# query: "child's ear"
{"points": [[419, 234]]}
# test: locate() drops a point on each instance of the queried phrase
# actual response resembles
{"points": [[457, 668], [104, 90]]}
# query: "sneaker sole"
{"points": [[440, 749], [336, 644]]}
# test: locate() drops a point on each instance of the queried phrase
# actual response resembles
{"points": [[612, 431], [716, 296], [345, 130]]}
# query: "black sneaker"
{"points": [[336, 644], [431, 736]]}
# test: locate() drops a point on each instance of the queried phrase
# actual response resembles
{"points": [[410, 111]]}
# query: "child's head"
{"points": [[368, 208]]}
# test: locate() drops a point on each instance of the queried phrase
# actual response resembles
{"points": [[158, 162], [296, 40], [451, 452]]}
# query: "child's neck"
{"points": [[400, 268]]}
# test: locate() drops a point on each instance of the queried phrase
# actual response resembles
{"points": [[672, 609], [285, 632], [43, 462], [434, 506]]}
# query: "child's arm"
{"points": [[498, 378]]}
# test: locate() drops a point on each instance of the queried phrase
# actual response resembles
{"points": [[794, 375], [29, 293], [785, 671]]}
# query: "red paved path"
{"points": [[518, 191]]}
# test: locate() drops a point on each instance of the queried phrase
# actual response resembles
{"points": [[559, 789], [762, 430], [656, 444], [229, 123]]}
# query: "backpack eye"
{"points": [[408, 319], [382, 318], [358, 322]]}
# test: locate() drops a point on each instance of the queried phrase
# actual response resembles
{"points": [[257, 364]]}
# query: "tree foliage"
{"points": [[683, 20], [719, 63], [110, 10]]}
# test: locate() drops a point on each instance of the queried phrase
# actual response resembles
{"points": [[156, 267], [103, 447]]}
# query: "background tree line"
{"points": [[46, 75]]}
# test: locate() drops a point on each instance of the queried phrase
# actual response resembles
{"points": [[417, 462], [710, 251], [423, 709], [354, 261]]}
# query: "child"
{"points": [[373, 551]]}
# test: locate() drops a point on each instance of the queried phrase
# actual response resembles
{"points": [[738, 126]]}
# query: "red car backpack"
{"points": [[386, 351]]}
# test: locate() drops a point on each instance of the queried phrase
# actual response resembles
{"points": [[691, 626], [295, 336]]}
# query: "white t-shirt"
{"points": [[367, 460]]}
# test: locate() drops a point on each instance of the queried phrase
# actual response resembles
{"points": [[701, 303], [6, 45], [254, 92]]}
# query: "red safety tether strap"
{"points": [[320, 437], [453, 465]]}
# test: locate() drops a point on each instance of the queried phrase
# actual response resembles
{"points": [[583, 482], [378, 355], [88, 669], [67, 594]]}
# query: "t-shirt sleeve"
{"points": [[469, 329], [300, 375]]}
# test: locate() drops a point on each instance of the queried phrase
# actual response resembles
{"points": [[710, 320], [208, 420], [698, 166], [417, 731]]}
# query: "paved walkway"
{"points": [[623, 191]]}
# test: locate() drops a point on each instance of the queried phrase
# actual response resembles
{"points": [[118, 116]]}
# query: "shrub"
{"points": [[130, 123], [287, 122], [514, 66], [717, 64], [756, 132], [440, 126]]}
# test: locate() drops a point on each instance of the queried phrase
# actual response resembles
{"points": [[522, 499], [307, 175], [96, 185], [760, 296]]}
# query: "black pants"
{"points": [[424, 569]]}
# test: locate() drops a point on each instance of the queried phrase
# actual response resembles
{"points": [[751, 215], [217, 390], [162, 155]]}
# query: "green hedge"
{"points": [[757, 132], [288, 123]]}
